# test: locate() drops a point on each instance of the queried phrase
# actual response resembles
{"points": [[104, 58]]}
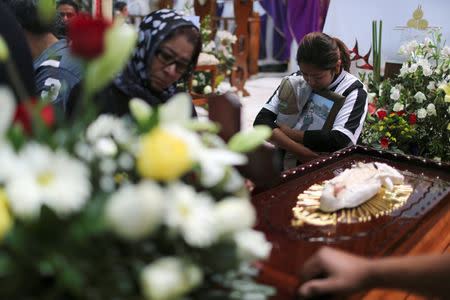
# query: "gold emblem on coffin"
{"points": [[307, 211]]}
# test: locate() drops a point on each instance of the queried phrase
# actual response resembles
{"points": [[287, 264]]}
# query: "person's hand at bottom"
{"points": [[331, 271]]}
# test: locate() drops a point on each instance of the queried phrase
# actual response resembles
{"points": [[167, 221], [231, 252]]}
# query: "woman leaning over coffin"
{"points": [[166, 54], [324, 64]]}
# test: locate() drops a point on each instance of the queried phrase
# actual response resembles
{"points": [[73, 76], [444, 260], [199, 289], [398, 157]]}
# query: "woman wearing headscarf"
{"points": [[166, 54]]}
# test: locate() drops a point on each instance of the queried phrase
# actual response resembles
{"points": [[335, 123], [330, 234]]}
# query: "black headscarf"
{"points": [[134, 81]]}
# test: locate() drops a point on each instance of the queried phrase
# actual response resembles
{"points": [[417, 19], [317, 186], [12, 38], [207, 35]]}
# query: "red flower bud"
{"points": [[412, 119], [399, 113], [381, 114], [23, 114], [384, 142], [87, 35]]}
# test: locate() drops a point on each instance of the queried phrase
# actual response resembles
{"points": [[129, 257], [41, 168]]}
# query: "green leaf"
{"points": [[250, 139], [120, 41]]}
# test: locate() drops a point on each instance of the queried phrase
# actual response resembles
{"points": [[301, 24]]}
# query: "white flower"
{"points": [[427, 71], [207, 59], [169, 278], [398, 106], [214, 163], [234, 214], [395, 93], [207, 90], [108, 165], [234, 181], [108, 126], [409, 47], [371, 97], [421, 61], [192, 214], [445, 52], [421, 113], [107, 183], [252, 245], [209, 47], [431, 109], [125, 161], [8, 161], [105, 146], [223, 87], [431, 85], [413, 68], [8, 107], [404, 69], [420, 97], [136, 211], [84, 151], [51, 178], [140, 110]]}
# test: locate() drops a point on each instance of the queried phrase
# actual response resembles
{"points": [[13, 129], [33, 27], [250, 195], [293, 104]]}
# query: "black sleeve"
{"points": [[325, 141], [266, 117]]}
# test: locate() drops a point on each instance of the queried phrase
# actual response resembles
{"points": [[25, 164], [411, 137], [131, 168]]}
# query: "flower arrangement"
{"points": [[411, 113], [119, 208], [219, 51]]}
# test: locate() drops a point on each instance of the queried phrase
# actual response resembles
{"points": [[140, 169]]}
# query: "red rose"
{"points": [[86, 35], [412, 119], [381, 114], [23, 115], [384, 142]]}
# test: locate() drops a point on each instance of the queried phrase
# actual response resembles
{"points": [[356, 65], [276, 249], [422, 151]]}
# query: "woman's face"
{"points": [[318, 79], [170, 62]]}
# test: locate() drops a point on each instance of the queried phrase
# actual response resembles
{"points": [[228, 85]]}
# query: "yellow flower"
{"points": [[6, 220], [446, 89], [162, 156], [381, 128], [388, 134], [394, 139]]}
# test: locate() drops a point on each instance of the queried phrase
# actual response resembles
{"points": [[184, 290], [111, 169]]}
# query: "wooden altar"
{"points": [[420, 226]]}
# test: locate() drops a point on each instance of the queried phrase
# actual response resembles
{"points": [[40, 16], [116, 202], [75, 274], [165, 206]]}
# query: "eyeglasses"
{"points": [[168, 59]]}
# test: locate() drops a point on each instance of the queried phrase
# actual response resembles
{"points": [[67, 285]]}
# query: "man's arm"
{"points": [[332, 271]]}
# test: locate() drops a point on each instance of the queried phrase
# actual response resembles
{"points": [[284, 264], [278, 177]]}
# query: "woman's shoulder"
{"points": [[112, 100]]}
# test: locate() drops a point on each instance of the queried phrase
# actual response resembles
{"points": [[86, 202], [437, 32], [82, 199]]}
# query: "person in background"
{"points": [[56, 71], [121, 9], [20, 55], [166, 54], [332, 271], [67, 9], [324, 64]]}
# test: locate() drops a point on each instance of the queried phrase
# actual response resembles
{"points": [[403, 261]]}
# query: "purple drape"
{"points": [[293, 19]]}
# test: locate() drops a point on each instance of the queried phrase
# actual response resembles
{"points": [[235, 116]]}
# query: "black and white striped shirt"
{"points": [[348, 123]]}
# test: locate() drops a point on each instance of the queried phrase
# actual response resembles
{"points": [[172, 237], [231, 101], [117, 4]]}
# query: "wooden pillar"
{"points": [[253, 53], [239, 73]]}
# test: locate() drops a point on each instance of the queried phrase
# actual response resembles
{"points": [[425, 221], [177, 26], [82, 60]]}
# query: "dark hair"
{"points": [[27, 15], [68, 2], [192, 36], [119, 5], [323, 51]]}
